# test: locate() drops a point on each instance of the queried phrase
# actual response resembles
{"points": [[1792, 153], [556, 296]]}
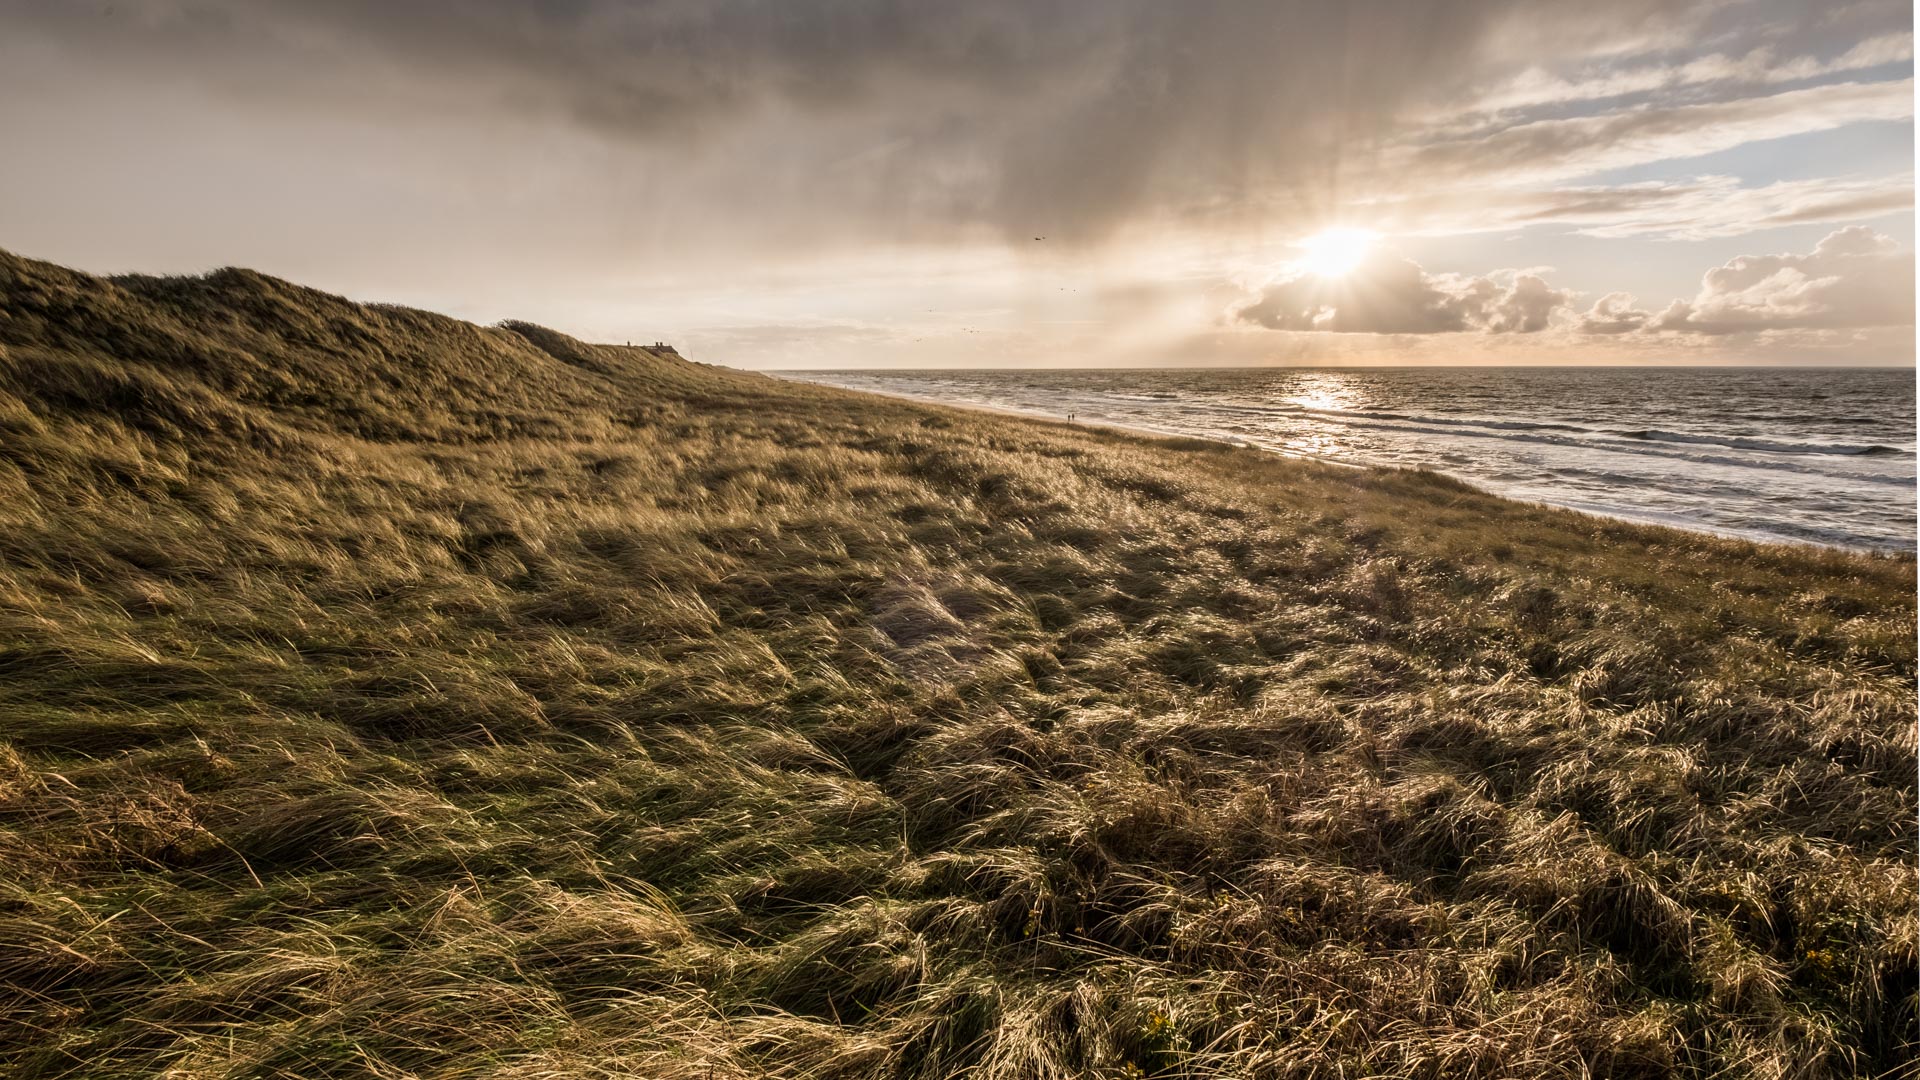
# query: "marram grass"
{"points": [[386, 696]]}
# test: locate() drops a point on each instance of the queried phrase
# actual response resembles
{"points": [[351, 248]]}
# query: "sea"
{"points": [[1808, 455]]}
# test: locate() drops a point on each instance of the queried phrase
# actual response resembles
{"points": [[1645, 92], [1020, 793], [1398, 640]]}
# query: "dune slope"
{"points": [[383, 695]]}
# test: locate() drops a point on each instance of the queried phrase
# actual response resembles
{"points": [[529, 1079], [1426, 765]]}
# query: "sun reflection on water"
{"points": [[1325, 392]]}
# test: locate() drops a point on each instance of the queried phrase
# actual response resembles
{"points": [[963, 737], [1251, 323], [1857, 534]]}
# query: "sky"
{"points": [[1089, 183]]}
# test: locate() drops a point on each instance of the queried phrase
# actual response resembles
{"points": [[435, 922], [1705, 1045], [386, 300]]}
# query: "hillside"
{"points": [[385, 696]]}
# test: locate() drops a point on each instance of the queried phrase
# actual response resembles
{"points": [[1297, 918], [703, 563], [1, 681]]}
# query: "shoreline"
{"points": [[1115, 425], [1029, 414], [1161, 433]]}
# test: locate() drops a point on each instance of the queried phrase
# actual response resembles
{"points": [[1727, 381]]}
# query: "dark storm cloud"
{"points": [[1062, 117]]}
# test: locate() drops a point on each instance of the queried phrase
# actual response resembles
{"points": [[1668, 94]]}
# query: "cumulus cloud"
{"points": [[1526, 307], [1853, 278], [1388, 294], [1614, 313]]}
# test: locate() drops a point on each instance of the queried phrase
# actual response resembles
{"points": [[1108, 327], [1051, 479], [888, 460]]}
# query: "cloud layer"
{"points": [[1070, 120], [755, 168]]}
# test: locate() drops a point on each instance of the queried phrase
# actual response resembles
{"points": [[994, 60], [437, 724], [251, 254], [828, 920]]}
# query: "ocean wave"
{"points": [[1671, 451], [1764, 446], [1731, 442], [1414, 418], [1555, 432]]}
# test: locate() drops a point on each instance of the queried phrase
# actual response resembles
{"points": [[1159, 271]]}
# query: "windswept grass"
{"points": [[386, 696]]}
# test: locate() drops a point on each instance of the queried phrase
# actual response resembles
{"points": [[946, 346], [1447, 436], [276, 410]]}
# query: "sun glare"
{"points": [[1337, 251]]}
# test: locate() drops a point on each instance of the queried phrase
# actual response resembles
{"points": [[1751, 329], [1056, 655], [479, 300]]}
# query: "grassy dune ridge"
{"points": [[387, 696]]}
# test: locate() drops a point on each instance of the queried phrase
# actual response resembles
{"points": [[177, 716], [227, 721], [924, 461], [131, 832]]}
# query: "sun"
{"points": [[1337, 251]]}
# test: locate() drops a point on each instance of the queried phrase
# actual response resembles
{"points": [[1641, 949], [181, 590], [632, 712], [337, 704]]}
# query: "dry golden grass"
{"points": [[385, 696]]}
